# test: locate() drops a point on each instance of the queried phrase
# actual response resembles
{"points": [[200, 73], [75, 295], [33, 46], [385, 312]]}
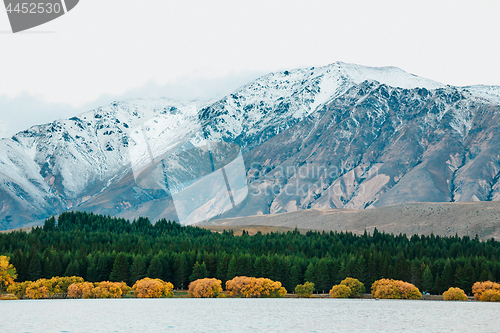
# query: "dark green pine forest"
{"points": [[100, 248]]}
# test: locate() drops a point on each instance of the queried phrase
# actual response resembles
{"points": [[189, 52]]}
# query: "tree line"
{"points": [[101, 248]]}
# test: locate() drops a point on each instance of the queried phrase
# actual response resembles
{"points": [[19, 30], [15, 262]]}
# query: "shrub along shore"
{"points": [[239, 287]]}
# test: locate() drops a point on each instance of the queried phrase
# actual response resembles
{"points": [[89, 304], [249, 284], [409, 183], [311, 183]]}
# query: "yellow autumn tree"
{"points": [[124, 287], [59, 285], [480, 287], [395, 289], [38, 289], [205, 288], [304, 290], [106, 289], [490, 295], [7, 273], [340, 291], [356, 286], [244, 286], [19, 288], [455, 294], [153, 288], [270, 288]]}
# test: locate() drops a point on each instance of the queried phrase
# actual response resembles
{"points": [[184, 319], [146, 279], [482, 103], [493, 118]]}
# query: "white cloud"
{"points": [[105, 50], [23, 111]]}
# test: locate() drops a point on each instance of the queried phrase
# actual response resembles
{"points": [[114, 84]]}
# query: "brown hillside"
{"points": [[446, 219]]}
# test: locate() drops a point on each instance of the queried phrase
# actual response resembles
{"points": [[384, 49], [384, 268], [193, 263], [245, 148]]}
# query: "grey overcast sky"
{"points": [[115, 49]]}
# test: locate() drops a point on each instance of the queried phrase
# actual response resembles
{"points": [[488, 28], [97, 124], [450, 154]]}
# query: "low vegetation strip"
{"points": [[99, 248], [239, 286]]}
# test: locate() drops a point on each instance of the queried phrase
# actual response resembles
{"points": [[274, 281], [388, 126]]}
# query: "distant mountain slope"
{"points": [[377, 145], [339, 136], [54, 167], [445, 219]]}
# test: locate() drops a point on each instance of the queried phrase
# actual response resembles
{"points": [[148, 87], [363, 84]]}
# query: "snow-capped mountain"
{"points": [[278, 101], [54, 167], [337, 136]]}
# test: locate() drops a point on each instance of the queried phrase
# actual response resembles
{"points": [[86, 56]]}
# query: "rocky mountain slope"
{"points": [[339, 136]]}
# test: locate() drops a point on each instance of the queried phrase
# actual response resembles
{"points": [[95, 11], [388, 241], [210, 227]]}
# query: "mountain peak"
{"points": [[391, 76]]}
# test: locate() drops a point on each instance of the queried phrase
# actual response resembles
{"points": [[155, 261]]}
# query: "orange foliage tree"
{"points": [[103, 289], [395, 289], [480, 287], [455, 294], [153, 288], [205, 288], [83, 290], [340, 291], [244, 286]]}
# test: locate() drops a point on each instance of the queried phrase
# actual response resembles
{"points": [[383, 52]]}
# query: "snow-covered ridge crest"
{"points": [[278, 100], [391, 76]]}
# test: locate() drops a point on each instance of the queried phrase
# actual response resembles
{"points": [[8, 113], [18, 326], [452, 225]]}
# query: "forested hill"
{"points": [[88, 245]]}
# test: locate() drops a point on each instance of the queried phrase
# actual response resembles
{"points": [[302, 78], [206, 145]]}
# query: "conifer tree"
{"points": [[120, 272], [485, 276], [321, 276], [47, 269], [92, 271], [20, 261], [360, 271], [211, 263], [73, 269], [34, 267], [167, 270], [180, 271], [232, 269], [102, 272], [294, 278], [309, 275], [415, 277], [155, 269], [56, 264], [427, 280], [138, 268], [222, 267], [199, 271]]}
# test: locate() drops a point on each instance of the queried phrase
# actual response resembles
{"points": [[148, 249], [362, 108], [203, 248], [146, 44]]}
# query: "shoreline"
{"points": [[184, 294]]}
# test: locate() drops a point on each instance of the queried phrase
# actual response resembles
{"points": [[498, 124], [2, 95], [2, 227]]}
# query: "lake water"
{"points": [[247, 315]]}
